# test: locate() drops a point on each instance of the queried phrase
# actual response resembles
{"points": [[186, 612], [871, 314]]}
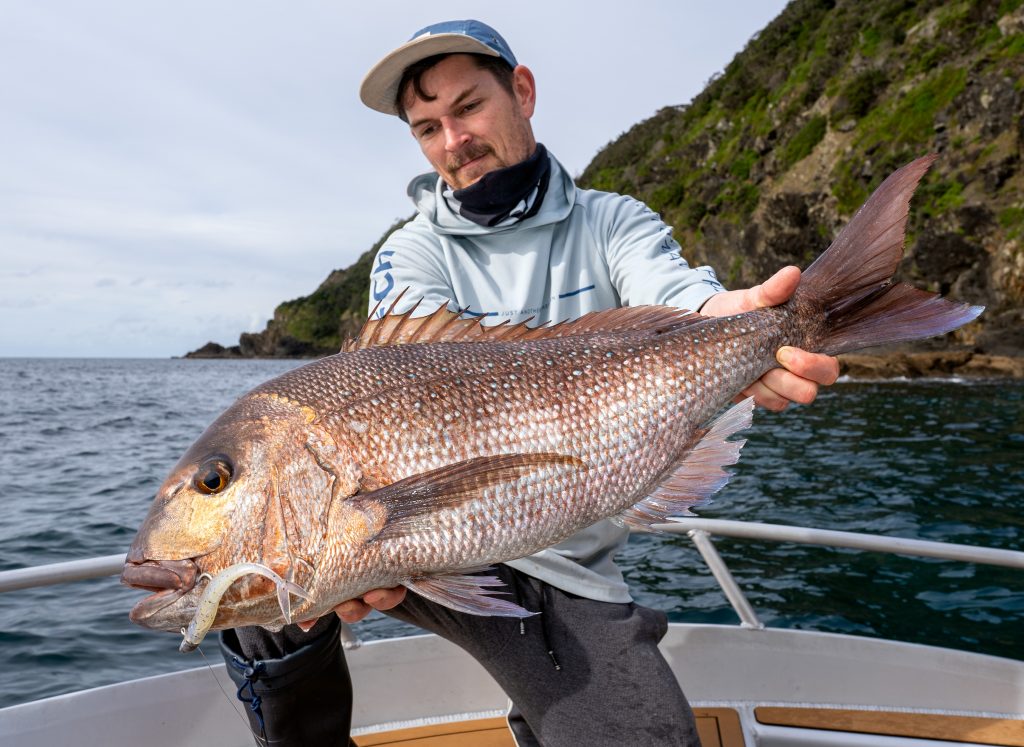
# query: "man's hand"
{"points": [[801, 372], [355, 610]]}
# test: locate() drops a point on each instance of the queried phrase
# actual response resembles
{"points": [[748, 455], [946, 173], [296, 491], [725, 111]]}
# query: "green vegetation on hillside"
{"points": [[883, 78]]}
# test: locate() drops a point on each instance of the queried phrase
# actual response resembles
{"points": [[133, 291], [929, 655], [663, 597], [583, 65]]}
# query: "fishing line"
{"points": [[230, 700]]}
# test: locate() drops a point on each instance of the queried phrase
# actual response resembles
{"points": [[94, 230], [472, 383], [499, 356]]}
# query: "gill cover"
{"points": [[257, 486]]}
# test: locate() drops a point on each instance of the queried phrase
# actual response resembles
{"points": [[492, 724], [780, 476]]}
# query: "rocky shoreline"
{"points": [[946, 363]]}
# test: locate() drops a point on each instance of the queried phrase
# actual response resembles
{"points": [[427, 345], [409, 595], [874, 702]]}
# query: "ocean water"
{"points": [[84, 444]]}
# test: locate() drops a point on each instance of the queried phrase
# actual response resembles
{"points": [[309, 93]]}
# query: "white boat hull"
{"points": [[423, 679]]}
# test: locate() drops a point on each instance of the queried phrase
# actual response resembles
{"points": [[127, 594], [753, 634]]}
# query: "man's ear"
{"points": [[525, 89]]}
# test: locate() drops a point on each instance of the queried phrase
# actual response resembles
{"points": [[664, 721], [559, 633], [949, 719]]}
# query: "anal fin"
{"points": [[469, 594], [698, 475]]}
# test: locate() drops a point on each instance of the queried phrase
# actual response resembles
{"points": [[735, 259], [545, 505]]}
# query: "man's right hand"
{"points": [[355, 610], [802, 373]]}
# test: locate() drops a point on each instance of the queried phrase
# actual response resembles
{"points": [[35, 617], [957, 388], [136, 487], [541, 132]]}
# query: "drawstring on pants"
{"points": [[252, 671], [545, 590], [544, 619]]}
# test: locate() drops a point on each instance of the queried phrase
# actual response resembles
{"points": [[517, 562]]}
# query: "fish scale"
{"points": [[619, 476], [433, 446]]}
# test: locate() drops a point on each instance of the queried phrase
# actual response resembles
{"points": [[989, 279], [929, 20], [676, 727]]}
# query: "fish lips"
{"points": [[169, 580]]}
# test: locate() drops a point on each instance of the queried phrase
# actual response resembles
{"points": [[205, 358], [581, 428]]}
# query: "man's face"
{"points": [[474, 125]]}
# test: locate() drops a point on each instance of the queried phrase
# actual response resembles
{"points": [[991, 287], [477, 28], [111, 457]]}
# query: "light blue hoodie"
{"points": [[582, 251]]}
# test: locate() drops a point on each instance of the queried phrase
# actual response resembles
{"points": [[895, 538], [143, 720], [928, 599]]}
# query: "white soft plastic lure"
{"points": [[206, 609]]}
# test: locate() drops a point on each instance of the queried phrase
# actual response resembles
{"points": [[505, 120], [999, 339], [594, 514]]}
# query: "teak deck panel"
{"points": [[993, 731], [485, 732], [718, 727]]}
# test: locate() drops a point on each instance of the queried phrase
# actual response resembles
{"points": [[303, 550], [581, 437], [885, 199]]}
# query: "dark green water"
{"points": [[84, 445]]}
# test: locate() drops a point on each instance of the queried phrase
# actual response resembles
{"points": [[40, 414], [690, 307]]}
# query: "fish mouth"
{"points": [[169, 580]]}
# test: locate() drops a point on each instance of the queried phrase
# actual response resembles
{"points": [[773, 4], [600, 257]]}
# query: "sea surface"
{"points": [[84, 444]]}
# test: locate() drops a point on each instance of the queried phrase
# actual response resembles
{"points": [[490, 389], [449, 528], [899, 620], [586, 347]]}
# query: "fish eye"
{"points": [[213, 475]]}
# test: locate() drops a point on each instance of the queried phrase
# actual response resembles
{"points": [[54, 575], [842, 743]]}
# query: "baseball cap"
{"points": [[380, 86]]}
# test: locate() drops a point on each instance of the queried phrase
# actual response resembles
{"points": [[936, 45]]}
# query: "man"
{"points": [[503, 232]]}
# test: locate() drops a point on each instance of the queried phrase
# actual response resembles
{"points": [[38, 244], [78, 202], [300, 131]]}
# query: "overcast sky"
{"points": [[170, 172]]}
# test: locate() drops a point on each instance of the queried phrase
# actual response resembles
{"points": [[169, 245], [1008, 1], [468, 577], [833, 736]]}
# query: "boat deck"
{"points": [[966, 729], [721, 727], [718, 727], [481, 732]]}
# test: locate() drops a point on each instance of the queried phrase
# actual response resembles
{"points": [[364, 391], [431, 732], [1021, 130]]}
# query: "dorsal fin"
{"points": [[444, 325]]}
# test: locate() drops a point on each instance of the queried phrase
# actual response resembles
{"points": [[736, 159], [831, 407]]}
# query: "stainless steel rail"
{"points": [[110, 565], [700, 531], [59, 573], [852, 540], [722, 574]]}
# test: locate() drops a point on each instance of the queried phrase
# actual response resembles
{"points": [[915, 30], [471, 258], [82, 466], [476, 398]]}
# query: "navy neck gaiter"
{"points": [[505, 193]]}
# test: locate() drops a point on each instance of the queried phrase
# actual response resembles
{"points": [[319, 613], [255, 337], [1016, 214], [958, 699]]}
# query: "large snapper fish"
{"points": [[434, 447]]}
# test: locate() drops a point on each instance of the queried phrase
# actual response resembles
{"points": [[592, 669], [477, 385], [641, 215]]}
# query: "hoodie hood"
{"points": [[427, 194]]}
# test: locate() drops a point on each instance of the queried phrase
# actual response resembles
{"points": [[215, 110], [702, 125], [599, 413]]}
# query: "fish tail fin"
{"points": [[852, 280]]}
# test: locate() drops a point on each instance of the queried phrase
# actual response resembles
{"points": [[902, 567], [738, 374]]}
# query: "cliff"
{"points": [[777, 152]]}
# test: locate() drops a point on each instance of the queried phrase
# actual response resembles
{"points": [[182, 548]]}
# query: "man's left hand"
{"points": [[802, 372], [355, 610]]}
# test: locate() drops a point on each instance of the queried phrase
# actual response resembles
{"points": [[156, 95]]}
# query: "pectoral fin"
{"points": [[698, 475], [406, 507], [469, 594]]}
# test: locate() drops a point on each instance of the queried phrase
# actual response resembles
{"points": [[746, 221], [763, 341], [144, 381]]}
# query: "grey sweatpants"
{"points": [[604, 681], [580, 673]]}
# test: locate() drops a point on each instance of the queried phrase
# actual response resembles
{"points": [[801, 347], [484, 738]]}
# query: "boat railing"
{"points": [[700, 531]]}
